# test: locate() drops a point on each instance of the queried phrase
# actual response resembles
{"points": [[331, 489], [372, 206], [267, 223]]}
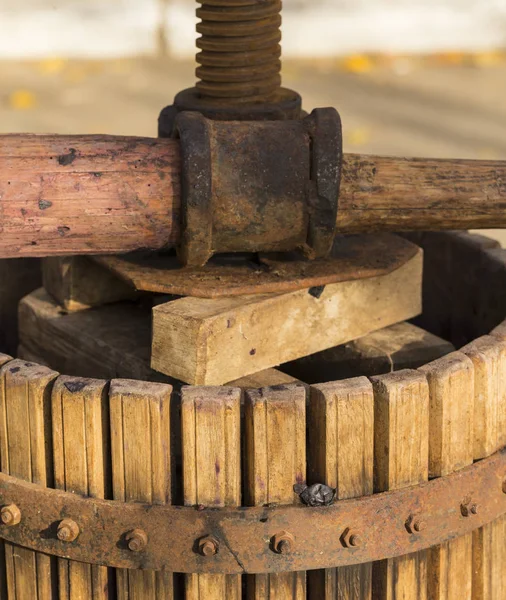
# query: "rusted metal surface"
{"points": [[239, 66], [269, 186], [354, 257], [260, 539]]}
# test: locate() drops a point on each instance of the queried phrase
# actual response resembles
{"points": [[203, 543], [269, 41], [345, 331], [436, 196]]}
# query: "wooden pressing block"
{"points": [[77, 283], [400, 346], [211, 341]]}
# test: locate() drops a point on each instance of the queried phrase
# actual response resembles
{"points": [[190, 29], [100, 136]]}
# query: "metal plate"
{"points": [[244, 535], [353, 257]]}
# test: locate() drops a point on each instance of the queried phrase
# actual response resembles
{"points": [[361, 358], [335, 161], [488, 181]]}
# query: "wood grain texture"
{"points": [[400, 346], [140, 447], [275, 432], [402, 194], [451, 385], [194, 338], [64, 195], [26, 453], [341, 455], [211, 433], [114, 340], [77, 283], [81, 466], [489, 552], [401, 457]]}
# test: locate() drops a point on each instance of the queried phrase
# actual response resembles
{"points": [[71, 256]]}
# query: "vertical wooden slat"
{"points": [[25, 438], [140, 448], [401, 453], [451, 385], [275, 423], [81, 466], [488, 355], [210, 421], [341, 455]]}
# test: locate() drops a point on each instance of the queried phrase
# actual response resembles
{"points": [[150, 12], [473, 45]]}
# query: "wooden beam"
{"points": [[451, 385], [211, 434], [77, 283], [401, 456], [141, 449], [400, 346], [275, 433], [195, 338], [341, 425]]}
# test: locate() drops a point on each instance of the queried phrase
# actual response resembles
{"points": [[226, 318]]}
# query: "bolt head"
{"points": [[68, 530], [351, 538], [208, 546], [468, 509], [10, 515], [355, 540], [282, 542], [137, 540]]}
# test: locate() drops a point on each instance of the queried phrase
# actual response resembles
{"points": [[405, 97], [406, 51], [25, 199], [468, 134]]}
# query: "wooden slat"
{"points": [[81, 465], [4, 358], [77, 283], [451, 385], [401, 456], [275, 425], [25, 440], [489, 552], [211, 433], [341, 455], [400, 346], [140, 448], [194, 338]]}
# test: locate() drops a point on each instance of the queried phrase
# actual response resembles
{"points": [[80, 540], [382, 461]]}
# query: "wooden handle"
{"points": [[403, 194], [63, 195], [87, 194]]}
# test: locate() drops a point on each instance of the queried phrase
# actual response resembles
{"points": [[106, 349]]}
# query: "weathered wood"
{"points": [[489, 553], [110, 341], [400, 346], [25, 452], [341, 426], [77, 283], [267, 378], [194, 338], [275, 460], [17, 278], [81, 465], [140, 448], [401, 456], [65, 195], [211, 434], [451, 385], [403, 194]]}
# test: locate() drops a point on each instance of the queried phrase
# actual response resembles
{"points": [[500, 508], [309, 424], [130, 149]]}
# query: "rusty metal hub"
{"points": [[253, 540]]}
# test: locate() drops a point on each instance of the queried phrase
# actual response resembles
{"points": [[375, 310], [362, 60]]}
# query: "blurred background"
{"points": [[410, 77]]}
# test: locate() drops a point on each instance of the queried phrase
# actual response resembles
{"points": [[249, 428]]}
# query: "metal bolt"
{"points": [[208, 546], [282, 542], [415, 524], [468, 508], [10, 515], [68, 530], [137, 540], [351, 539]]}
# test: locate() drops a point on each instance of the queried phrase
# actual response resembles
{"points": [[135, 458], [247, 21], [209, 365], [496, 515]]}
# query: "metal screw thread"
{"points": [[240, 50]]}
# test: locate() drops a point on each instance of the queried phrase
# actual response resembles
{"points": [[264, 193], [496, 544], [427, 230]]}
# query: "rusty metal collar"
{"points": [[252, 540], [268, 186]]}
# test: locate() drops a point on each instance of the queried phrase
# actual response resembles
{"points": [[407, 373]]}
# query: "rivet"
{"points": [[282, 542], [68, 530], [351, 539], [208, 546], [10, 515], [468, 508], [137, 540]]}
